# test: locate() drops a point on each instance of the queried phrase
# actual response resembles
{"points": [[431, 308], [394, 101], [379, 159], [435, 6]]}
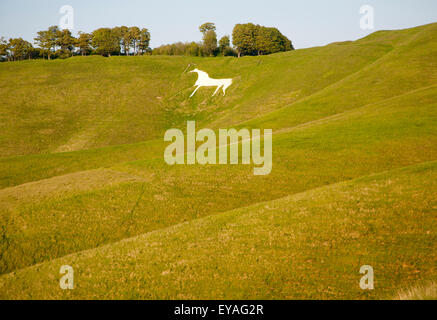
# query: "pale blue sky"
{"points": [[306, 22]]}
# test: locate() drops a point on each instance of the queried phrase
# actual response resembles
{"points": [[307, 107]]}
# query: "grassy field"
{"points": [[83, 180]]}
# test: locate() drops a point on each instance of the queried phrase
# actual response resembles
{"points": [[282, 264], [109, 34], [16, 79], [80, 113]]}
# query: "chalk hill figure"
{"points": [[205, 81]]}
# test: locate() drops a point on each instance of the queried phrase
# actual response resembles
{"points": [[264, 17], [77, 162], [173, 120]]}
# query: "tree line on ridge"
{"points": [[247, 39]]}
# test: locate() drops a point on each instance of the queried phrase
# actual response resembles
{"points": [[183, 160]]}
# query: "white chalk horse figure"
{"points": [[205, 81]]}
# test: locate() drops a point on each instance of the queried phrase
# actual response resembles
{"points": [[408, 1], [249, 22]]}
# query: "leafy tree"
{"points": [[53, 34], [144, 40], [208, 26], [210, 43], [134, 36], [116, 32], [224, 42], [66, 42], [171, 49], [270, 40], [225, 47], [46, 40], [250, 39], [125, 39], [83, 42], [243, 38], [209, 38], [105, 42], [4, 48], [20, 49], [194, 49]]}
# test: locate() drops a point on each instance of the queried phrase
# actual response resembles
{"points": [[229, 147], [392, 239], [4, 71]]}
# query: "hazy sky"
{"points": [[306, 22]]}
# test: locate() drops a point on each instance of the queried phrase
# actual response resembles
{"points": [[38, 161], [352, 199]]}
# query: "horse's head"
{"points": [[200, 73], [195, 70]]}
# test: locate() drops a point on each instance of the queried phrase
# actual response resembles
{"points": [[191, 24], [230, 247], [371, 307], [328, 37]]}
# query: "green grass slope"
{"points": [[147, 195], [293, 247], [88, 102], [320, 75], [410, 65]]}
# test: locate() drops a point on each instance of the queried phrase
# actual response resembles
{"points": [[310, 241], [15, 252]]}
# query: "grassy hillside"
{"points": [[293, 247], [339, 112], [410, 65], [51, 218], [87, 102]]}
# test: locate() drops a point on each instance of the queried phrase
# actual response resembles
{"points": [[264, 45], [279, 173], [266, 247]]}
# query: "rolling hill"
{"points": [[83, 180]]}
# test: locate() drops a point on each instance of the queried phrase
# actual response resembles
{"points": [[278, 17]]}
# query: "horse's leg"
{"points": [[195, 91], [224, 89], [216, 90]]}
